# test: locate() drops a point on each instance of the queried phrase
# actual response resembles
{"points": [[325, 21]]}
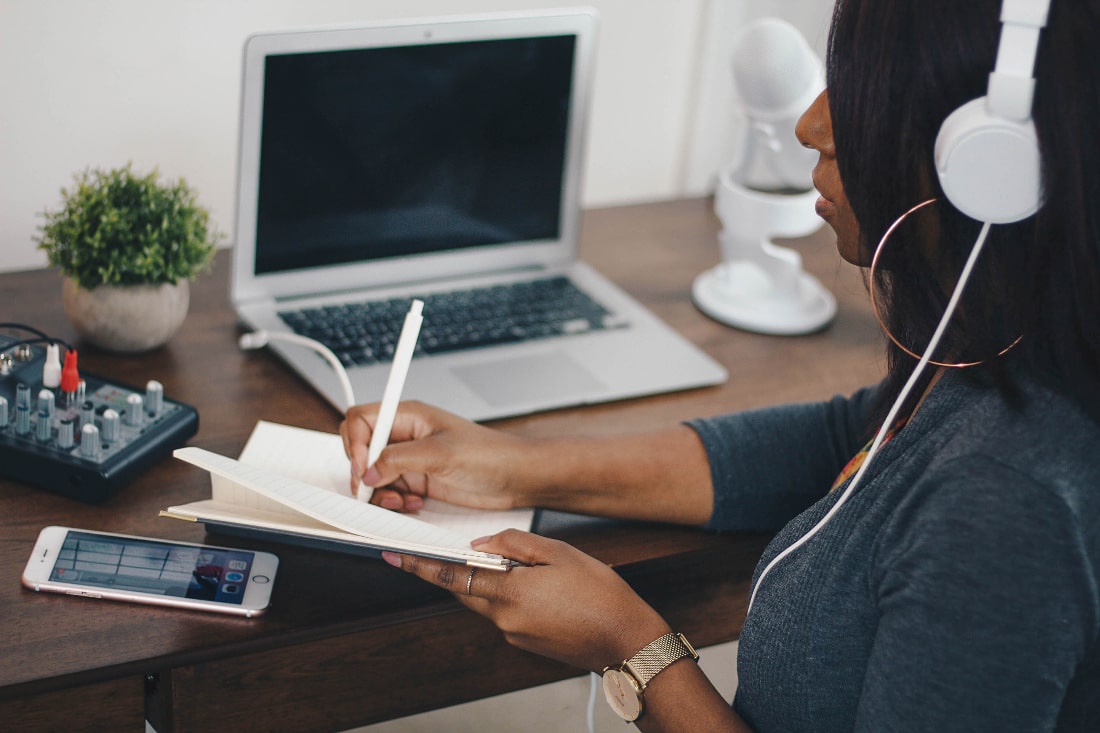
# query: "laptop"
{"points": [[437, 159]]}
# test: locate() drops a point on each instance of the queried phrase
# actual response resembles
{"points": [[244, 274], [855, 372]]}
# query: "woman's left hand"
{"points": [[559, 603]]}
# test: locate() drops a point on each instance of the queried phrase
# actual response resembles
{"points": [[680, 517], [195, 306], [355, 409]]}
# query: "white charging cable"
{"points": [[894, 410], [591, 713], [259, 339]]}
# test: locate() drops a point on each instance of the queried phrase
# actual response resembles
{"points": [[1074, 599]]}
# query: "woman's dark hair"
{"points": [[896, 69]]}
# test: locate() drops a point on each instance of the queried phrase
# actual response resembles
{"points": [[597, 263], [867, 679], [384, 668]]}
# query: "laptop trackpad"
{"points": [[522, 379]]}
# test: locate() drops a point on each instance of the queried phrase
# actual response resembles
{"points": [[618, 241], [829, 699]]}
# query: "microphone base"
{"points": [[743, 295]]}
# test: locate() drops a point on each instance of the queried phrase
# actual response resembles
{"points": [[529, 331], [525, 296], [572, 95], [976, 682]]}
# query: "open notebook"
{"points": [[291, 485], [438, 159]]}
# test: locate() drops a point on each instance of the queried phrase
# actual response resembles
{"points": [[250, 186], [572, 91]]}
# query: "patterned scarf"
{"points": [[853, 465]]}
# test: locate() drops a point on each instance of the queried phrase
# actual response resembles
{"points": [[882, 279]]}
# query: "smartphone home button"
{"points": [[260, 579]]}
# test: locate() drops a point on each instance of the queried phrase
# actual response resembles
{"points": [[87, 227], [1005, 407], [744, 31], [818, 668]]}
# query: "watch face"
{"points": [[622, 694]]}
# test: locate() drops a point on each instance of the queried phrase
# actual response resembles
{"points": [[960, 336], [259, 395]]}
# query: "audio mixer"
{"points": [[82, 437]]}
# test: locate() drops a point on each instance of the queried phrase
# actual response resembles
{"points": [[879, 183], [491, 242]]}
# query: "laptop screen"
{"points": [[373, 153]]}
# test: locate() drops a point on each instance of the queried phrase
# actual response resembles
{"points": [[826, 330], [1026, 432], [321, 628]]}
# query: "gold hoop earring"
{"points": [[874, 302]]}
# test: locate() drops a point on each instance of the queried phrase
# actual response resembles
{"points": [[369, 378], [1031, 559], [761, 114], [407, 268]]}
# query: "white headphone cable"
{"points": [[949, 311]]}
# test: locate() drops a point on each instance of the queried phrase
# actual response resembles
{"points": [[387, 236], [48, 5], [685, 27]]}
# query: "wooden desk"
{"points": [[349, 641]]}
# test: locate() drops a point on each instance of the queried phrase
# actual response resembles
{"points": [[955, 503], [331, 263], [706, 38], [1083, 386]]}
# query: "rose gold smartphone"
{"points": [[81, 562]]}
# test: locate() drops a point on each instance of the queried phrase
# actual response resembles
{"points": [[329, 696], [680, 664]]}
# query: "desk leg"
{"points": [[158, 701]]}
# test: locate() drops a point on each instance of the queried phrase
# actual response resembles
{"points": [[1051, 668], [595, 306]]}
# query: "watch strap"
{"points": [[657, 655]]}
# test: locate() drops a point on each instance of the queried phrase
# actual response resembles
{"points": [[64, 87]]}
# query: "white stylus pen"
{"points": [[402, 356]]}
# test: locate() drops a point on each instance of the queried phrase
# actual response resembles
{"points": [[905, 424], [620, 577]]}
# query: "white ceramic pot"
{"points": [[128, 318]]}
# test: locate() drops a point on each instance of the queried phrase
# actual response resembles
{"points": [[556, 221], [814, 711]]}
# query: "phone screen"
{"points": [[148, 566]]}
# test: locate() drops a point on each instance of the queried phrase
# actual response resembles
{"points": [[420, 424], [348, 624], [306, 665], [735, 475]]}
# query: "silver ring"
{"points": [[470, 581]]}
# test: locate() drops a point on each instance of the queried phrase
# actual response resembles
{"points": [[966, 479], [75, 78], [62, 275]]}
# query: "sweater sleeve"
{"points": [[986, 601], [768, 465]]}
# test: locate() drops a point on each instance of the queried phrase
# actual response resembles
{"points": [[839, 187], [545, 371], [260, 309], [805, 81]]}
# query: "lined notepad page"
{"points": [[341, 512], [318, 459]]}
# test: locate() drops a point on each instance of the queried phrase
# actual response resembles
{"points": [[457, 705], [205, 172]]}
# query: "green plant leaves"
{"points": [[116, 227]]}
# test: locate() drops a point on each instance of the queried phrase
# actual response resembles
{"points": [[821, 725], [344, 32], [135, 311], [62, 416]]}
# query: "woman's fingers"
{"points": [[398, 501], [358, 427], [472, 586], [434, 454], [355, 431], [523, 547]]}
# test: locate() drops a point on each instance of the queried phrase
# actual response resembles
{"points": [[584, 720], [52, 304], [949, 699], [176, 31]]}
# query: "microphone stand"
{"points": [[760, 286]]}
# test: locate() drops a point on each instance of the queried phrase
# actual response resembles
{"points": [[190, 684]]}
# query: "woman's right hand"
{"points": [[433, 453]]}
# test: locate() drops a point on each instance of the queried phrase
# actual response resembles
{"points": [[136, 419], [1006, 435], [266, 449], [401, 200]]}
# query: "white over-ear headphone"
{"points": [[987, 152]]}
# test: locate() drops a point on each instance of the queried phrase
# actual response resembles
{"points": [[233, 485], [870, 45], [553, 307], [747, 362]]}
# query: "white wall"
{"points": [[101, 82]]}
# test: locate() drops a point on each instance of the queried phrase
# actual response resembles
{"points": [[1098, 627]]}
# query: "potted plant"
{"points": [[127, 245]]}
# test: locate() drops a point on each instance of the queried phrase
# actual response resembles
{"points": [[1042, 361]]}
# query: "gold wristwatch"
{"points": [[625, 684]]}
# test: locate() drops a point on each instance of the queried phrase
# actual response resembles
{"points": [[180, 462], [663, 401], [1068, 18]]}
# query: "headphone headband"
{"points": [[1012, 83]]}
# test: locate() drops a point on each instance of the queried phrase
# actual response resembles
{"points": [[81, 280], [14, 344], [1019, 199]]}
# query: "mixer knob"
{"points": [[154, 397], [42, 430], [46, 403], [109, 430], [22, 396], [87, 413], [89, 441], [22, 420], [65, 434], [135, 411]]}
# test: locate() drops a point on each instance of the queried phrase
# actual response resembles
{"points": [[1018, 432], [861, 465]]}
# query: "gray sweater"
{"points": [[957, 590]]}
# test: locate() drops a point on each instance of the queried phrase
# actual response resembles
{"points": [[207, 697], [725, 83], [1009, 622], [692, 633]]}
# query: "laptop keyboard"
{"points": [[366, 333]]}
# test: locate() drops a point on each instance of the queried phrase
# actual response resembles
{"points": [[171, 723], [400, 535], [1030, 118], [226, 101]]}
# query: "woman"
{"points": [[957, 588]]}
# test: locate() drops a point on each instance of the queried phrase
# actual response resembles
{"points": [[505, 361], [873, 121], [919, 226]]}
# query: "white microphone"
{"points": [[776, 77], [768, 192]]}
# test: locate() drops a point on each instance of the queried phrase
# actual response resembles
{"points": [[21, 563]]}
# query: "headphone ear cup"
{"points": [[989, 167]]}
